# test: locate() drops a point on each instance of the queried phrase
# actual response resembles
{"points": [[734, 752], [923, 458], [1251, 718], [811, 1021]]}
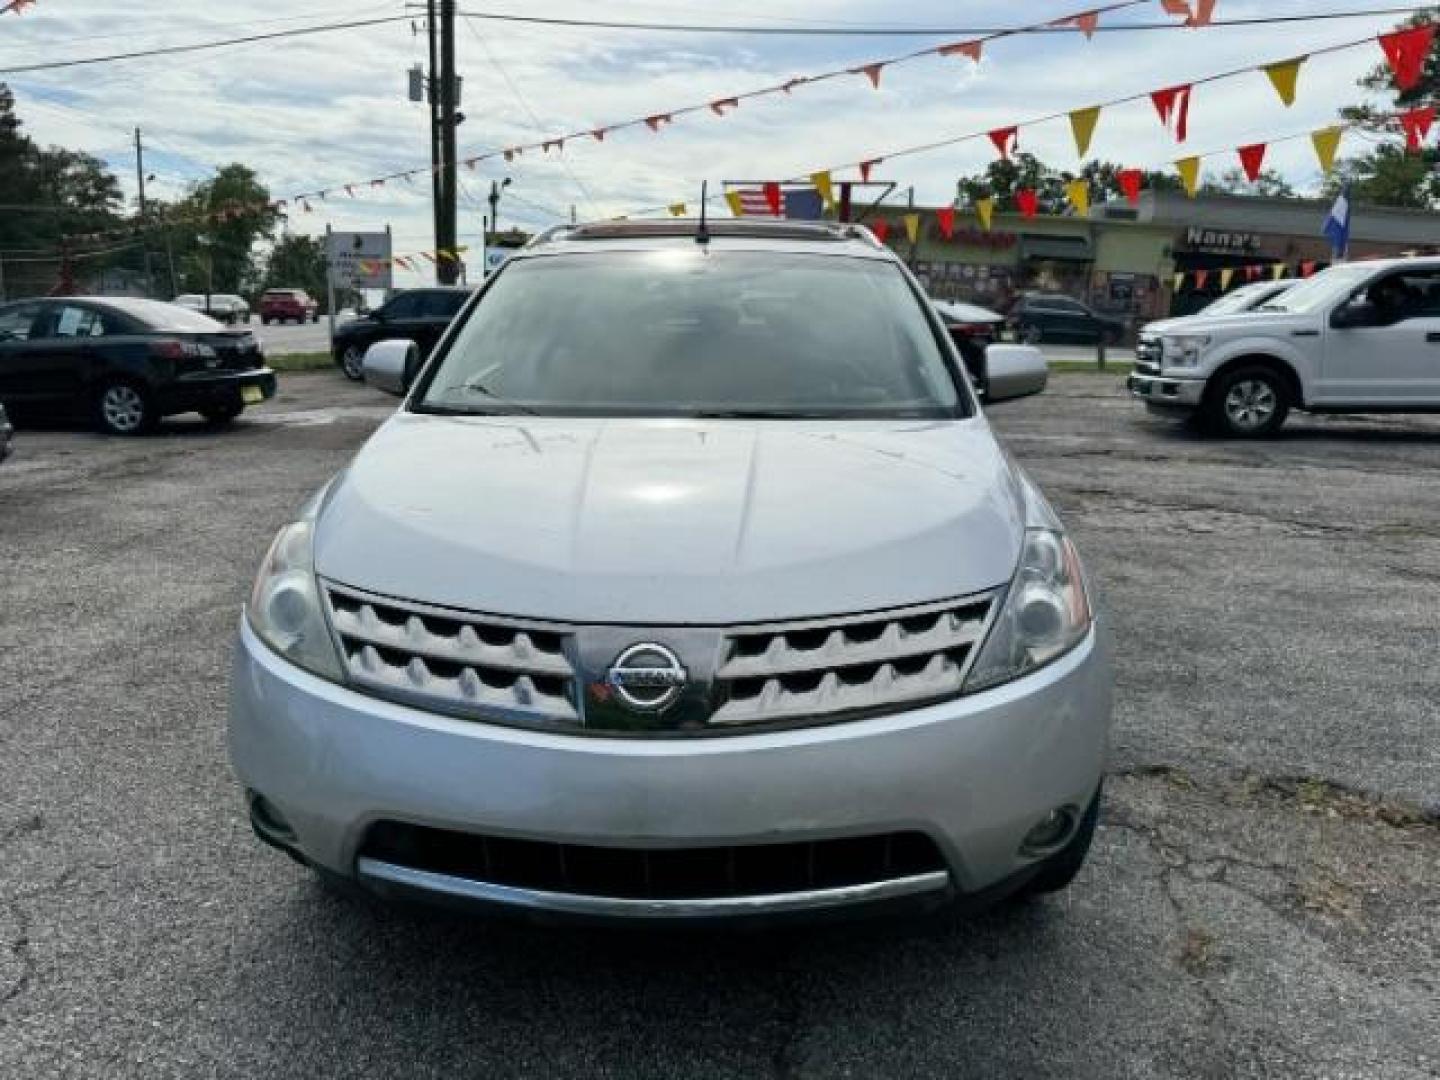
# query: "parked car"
{"points": [[688, 581], [418, 315], [973, 329], [223, 307], [125, 363], [1358, 337], [1037, 317], [7, 433], [288, 305]]}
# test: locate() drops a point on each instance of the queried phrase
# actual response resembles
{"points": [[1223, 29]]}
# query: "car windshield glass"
{"points": [[1320, 290], [1239, 300], [691, 332]]}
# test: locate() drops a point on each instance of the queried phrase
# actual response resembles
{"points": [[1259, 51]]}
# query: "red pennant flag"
{"points": [[1130, 180], [1005, 140], [1416, 125], [1201, 276], [881, 229], [1252, 272], [1405, 52], [654, 122], [790, 84], [719, 105], [305, 205], [509, 155], [1204, 10], [871, 72], [1175, 7], [1307, 268], [350, 190], [558, 144], [1252, 157], [866, 166], [962, 48], [772, 197], [945, 218], [1174, 101], [1027, 201], [599, 134]]}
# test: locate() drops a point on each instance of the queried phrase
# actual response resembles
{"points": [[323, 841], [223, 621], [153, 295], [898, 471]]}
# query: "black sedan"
{"points": [[418, 315], [125, 363], [1037, 317], [973, 329]]}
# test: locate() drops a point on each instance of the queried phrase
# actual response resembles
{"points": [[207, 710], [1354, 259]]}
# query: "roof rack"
{"points": [[646, 228]]}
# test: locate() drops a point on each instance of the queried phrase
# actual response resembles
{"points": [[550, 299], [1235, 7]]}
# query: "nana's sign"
{"points": [[1202, 239], [996, 241]]}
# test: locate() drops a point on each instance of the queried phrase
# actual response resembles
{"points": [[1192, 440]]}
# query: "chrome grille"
{"points": [[799, 671], [460, 662], [1147, 356]]}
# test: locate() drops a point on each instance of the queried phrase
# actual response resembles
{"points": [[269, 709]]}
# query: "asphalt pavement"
{"points": [[1261, 899], [283, 339]]}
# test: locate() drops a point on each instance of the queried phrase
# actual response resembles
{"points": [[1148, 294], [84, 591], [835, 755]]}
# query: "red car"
{"points": [[282, 305]]}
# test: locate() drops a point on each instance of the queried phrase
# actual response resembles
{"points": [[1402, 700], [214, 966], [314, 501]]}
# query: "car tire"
{"points": [[124, 408], [223, 414], [1031, 335], [352, 363], [1059, 870], [1247, 403]]}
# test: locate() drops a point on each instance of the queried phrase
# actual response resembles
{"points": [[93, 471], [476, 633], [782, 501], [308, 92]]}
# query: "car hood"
{"points": [[1242, 322], [673, 521]]}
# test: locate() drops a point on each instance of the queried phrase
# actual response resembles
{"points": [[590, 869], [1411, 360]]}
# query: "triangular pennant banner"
{"points": [[719, 105], [1004, 140], [1252, 159], [654, 122], [1307, 268], [1028, 201], [1204, 10], [737, 205], [1174, 102], [881, 229], [1130, 181], [822, 184], [1405, 52], [912, 227], [1189, 170], [1227, 275], [945, 218], [871, 72], [1252, 273], [1283, 77], [599, 134], [1278, 271], [962, 48], [866, 166], [1416, 125], [985, 211], [1176, 281], [1082, 125], [1201, 276], [677, 209], [1326, 142], [1175, 7], [1086, 23], [1078, 193], [773, 199]]}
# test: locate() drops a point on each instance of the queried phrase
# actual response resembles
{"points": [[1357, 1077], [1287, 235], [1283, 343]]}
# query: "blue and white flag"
{"points": [[1337, 224]]}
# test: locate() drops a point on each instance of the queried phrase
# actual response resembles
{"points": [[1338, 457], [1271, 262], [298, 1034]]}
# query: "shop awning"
{"points": [[1061, 248]]}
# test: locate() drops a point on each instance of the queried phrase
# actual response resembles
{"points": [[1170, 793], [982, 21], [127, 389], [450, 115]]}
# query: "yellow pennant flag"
{"points": [[1078, 192], [1082, 125], [1326, 142], [821, 181], [1227, 275], [1283, 76], [1177, 281], [985, 209], [1278, 271], [677, 209], [912, 227], [1189, 170], [736, 206]]}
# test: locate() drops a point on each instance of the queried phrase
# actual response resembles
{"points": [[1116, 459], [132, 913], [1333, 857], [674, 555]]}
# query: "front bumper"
{"points": [[198, 391], [1166, 391], [973, 774]]}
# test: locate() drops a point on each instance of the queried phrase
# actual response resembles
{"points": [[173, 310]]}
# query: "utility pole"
{"points": [[432, 86], [448, 268], [144, 240]]}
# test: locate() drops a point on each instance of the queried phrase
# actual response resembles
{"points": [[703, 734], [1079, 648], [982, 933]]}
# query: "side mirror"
{"points": [[1014, 371], [386, 363]]}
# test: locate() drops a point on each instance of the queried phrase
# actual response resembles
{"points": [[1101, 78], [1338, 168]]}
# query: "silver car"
{"points": [[689, 581]]}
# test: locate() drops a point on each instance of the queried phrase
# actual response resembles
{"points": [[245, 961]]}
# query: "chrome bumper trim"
{"points": [[1166, 390], [626, 908]]}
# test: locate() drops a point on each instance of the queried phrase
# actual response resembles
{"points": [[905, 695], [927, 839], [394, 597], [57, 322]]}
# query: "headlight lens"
{"points": [[285, 609], [1045, 614], [1183, 351]]}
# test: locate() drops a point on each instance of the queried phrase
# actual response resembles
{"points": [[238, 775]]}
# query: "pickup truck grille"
{"points": [[1147, 356], [809, 670], [459, 662]]}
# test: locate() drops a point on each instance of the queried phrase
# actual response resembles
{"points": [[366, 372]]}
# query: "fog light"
{"points": [[1050, 832]]}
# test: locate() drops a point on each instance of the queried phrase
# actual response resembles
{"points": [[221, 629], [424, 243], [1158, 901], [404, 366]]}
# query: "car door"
{"points": [[17, 383], [1392, 358], [64, 352], [437, 309], [1075, 320]]}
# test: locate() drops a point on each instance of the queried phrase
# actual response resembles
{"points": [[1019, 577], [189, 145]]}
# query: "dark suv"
{"points": [[1037, 317], [418, 315]]}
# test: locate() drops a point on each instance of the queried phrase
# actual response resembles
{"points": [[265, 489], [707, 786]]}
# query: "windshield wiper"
{"points": [[759, 414]]}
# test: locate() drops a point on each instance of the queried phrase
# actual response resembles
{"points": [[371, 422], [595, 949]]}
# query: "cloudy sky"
{"points": [[325, 110]]}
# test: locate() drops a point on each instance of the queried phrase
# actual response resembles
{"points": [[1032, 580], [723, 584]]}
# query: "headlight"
{"points": [[1184, 351], [1045, 614], [285, 609]]}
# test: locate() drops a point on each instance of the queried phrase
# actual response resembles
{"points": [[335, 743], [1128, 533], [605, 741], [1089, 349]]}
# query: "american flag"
{"points": [[798, 204], [754, 203]]}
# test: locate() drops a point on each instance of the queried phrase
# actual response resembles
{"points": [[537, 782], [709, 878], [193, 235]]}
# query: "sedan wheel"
{"points": [[352, 362], [122, 409]]}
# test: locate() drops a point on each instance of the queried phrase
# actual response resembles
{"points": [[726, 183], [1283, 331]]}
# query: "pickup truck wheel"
{"points": [[1059, 870], [1248, 402], [352, 362], [124, 408]]}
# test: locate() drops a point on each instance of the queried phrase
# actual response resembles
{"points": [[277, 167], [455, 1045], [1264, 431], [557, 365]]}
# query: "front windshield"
{"points": [[696, 332], [1322, 289], [1241, 299]]}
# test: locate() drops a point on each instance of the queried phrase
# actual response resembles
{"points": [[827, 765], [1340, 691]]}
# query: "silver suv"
{"points": [[688, 581]]}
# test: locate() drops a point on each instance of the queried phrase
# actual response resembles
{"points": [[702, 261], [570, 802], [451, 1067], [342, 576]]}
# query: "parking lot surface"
{"points": [[284, 339], [1261, 900]]}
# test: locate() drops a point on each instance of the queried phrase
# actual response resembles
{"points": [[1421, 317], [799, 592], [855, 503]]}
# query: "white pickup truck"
{"points": [[1358, 337]]}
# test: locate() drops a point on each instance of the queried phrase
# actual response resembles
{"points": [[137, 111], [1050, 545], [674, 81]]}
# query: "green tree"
{"points": [[216, 227], [1234, 182], [296, 262], [1002, 178]]}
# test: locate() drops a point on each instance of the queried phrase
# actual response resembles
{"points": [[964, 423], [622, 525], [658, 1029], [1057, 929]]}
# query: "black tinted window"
{"points": [[441, 305], [404, 306], [685, 331], [17, 320]]}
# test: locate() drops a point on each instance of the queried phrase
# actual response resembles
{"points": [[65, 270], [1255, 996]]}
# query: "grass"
{"points": [[307, 361]]}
